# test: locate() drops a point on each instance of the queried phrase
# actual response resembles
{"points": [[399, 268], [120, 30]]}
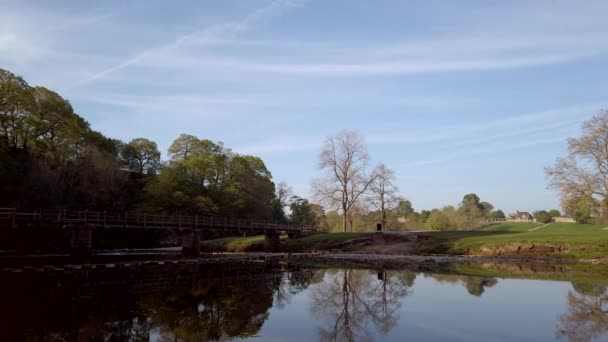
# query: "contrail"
{"points": [[277, 7]]}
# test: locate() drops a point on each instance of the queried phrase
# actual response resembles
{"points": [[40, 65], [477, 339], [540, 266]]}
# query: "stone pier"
{"points": [[191, 242], [81, 242], [294, 235], [272, 242]]}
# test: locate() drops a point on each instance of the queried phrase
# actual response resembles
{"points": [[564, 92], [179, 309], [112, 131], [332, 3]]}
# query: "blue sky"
{"points": [[455, 96]]}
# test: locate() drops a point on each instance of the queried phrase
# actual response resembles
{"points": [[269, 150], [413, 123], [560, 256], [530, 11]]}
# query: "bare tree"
{"points": [[344, 159], [583, 174], [284, 194], [383, 193]]}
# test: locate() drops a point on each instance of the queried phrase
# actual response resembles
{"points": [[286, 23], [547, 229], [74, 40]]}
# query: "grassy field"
{"points": [[556, 240], [570, 240]]}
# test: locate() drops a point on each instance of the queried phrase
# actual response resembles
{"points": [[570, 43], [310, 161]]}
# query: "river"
{"points": [[275, 302]]}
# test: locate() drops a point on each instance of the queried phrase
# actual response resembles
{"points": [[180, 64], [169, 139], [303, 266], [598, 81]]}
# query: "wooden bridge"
{"points": [[14, 218], [190, 227]]}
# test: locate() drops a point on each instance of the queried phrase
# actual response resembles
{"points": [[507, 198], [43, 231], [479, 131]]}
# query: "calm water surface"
{"points": [[301, 305]]}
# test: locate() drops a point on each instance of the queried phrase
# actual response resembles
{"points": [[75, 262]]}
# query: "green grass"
{"points": [[556, 240], [569, 240], [308, 242], [234, 244]]}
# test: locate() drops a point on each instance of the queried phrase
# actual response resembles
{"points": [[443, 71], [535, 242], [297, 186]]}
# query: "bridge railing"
{"points": [[102, 219]]}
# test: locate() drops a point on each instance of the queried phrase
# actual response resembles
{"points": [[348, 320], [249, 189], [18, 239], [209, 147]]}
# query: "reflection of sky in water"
{"points": [[513, 310]]}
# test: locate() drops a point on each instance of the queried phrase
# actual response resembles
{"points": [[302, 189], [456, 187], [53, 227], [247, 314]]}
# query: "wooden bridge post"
{"points": [[293, 235], [191, 242], [81, 241], [272, 241]]}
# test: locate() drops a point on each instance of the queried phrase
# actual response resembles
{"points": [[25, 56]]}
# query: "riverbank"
{"points": [[566, 242]]}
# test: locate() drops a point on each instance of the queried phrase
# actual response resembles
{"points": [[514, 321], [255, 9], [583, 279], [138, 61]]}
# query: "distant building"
{"points": [[520, 216], [564, 219]]}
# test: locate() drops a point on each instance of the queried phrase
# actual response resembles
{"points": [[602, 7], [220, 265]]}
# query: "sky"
{"points": [[455, 96]]}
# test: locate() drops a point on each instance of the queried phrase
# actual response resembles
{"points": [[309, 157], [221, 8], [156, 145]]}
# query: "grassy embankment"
{"points": [[556, 240], [307, 243]]}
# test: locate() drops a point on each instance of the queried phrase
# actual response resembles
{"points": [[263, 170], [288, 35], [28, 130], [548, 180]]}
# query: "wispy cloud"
{"points": [[488, 149], [503, 134], [197, 36], [408, 66]]}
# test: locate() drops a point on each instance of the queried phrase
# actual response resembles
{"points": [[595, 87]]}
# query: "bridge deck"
{"points": [[14, 218]]}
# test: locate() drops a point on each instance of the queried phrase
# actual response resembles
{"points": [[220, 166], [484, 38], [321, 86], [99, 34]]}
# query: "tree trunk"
{"points": [[344, 220]]}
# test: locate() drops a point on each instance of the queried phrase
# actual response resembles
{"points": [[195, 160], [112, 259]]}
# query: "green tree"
{"points": [[555, 213], [542, 216], [210, 179], [471, 198], [405, 209], [141, 155], [16, 104], [497, 215], [424, 215], [581, 208], [471, 211], [486, 208], [438, 220], [303, 212]]}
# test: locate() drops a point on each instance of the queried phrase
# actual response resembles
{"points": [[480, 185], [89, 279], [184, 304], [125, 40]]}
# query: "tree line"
{"points": [[50, 157], [357, 196]]}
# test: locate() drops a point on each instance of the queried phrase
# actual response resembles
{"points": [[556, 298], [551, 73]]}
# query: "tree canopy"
{"points": [[50, 157], [580, 177]]}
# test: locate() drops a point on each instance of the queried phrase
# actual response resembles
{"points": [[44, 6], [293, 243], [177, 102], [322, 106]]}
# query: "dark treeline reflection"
{"points": [[225, 302], [211, 311]]}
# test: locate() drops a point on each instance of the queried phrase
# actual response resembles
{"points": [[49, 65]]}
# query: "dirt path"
{"points": [[537, 228]]}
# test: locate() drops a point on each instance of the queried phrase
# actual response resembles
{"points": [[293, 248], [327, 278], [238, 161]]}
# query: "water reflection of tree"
{"points": [[213, 313], [224, 311], [350, 298], [213, 310], [587, 316], [288, 284], [476, 286]]}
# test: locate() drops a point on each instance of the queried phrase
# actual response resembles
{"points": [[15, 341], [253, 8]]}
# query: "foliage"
{"points": [[498, 215], [581, 208], [542, 216], [580, 177], [140, 155], [405, 209], [303, 212], [210, 179], [50, 157], [438, 220], [472, 211], [555, 213]]}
